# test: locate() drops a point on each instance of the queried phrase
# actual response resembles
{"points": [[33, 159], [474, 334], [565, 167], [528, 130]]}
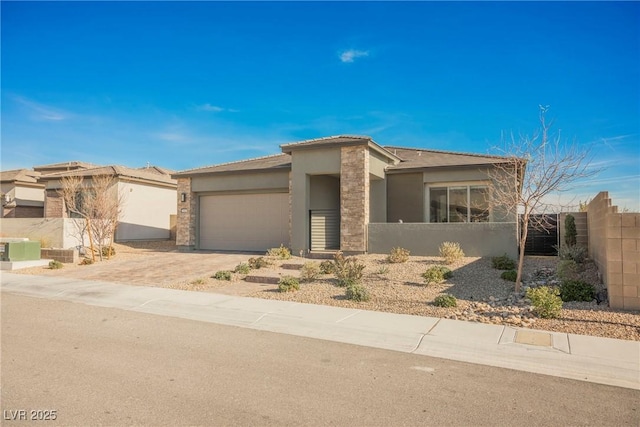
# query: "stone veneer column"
{"points": [[186, 219], [53, 205], [354, 198]]}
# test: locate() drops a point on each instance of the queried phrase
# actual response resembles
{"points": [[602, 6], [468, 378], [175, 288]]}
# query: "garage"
{"points": [[244, 222]]}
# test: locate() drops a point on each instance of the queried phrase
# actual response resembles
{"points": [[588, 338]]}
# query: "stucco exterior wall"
{"points": [[377, 200], [52, 232], [241, 182], [614, 245], [146, 212], [405, 197], [325, 192], [476, 239], [29, 196]]}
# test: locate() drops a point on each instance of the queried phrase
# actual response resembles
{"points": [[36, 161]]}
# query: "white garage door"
{"points": [[244, 222]]}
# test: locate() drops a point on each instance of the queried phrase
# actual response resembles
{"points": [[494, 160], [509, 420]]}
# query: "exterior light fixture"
{"points": [[183, 197]]}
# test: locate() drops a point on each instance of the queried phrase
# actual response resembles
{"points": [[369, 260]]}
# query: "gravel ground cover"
{"points": [[399, 288]]}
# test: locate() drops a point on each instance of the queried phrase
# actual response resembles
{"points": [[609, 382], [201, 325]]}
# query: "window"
{"points": [[462, 203]]}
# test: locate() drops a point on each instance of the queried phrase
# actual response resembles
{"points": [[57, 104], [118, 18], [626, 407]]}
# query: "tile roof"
{"points": [[72, 165], [265, 163], [20, 175], [328, 140], [121, 171], [420, 158]]}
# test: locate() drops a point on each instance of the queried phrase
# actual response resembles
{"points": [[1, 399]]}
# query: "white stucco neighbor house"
{"points": [[148, 194], [22, 194]]}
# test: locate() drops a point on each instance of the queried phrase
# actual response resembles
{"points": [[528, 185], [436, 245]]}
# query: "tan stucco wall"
{"points": [[241, 182], [405, 197], [377, 200], [146, 212], [377, 164], [54, 232], [325, 192], [614, 245], [29, 196]]}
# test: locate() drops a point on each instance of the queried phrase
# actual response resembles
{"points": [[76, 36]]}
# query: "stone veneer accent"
{"points": [[186, 221], [354, 198], [67, 256], [53, 205]]}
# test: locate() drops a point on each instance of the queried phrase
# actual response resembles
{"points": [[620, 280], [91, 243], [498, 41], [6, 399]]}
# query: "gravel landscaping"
{"points": [[482, 296]]}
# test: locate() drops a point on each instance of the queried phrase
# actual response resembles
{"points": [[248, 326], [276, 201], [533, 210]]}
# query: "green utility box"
{"points": [[19, 251]]}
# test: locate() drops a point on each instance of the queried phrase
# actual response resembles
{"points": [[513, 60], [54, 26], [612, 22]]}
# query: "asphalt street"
{"points": [[105, 366]]}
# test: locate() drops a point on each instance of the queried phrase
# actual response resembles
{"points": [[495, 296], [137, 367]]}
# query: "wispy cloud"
{"points": [[41, 111], [351, 55], [215, 108]]}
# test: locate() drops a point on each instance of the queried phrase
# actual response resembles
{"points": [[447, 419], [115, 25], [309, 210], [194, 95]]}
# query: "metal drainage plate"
{"points": [[534, 338]]}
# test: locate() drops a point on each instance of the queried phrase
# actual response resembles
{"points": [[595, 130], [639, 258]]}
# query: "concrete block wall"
{"points": [[614, 245], [67, 256]]}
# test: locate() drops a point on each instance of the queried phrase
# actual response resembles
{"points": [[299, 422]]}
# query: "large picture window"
{"points": [[463, 203]]}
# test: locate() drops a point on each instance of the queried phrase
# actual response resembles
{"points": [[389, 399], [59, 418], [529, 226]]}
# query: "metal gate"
{"points": [[541, 241], [325, 229]]}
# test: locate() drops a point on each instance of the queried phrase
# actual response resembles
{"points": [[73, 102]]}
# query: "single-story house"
{"points": [[345, 193], [22, 194], [148, 195]]}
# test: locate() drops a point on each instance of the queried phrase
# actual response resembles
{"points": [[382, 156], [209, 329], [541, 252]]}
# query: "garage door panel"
{"points": [[250, 222]]}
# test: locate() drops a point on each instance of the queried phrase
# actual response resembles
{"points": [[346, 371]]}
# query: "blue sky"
{"points": [[182, 85]]}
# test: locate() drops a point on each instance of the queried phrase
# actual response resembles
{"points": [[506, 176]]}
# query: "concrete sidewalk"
{"points": [[594, 359]]}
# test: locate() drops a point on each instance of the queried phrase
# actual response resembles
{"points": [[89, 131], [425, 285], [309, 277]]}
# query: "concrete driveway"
{"points": [[155, 268]]}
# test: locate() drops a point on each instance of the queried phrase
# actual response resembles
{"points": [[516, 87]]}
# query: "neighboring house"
{"points": [[347, 193], [22, 194], [63, 167], [149, 199]]}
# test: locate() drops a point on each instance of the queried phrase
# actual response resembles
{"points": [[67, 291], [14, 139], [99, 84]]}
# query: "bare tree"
{"points": [[540, 165], [99, 203]]}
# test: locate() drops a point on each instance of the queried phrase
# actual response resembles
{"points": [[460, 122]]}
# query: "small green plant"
{"points": [[575, 253], [509, 275], [197, 282], [257, 263], [222, 275], [451, 252], [348, 271], [577, 290], [398, 255], [55, 265], [570, 232], [357, 293], [281, 252], [503, 263], [436, 274], [309, 271], [108, 251], [546, 301], [86, 261], [288, 284], [326, 267], [382, 270], [242, 268], [567, 269], [445, 300]]}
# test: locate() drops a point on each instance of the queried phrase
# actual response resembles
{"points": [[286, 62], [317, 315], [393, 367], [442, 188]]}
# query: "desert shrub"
{"points": [[357, 293], [309, 271], [86, 261], [570, 232], [55, 265], [575, 253], [108, 251], [242, 268], [257, 263], [577, 290], [281, 252], [383, 270], [222, 275], [503, 262], [197, 282], [348, 271], [436, 274], [451, 252], [288, 284], [326, 267], [567, 269], [546, 301], [509, 275], [445, 300], [45, 242], [398, 255]]}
